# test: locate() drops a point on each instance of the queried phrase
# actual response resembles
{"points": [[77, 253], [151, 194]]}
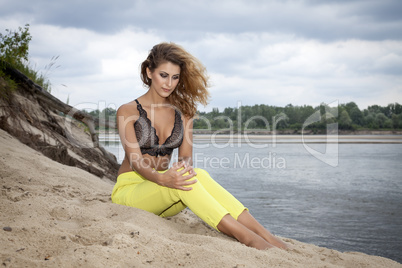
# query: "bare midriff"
{"points": [[159, 163]]}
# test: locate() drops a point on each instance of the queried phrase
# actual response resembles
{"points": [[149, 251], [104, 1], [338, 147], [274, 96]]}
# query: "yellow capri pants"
{"points": [[208, 200]]}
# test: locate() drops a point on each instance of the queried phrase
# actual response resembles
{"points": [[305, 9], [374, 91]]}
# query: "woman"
{"points": [[159, 121]]}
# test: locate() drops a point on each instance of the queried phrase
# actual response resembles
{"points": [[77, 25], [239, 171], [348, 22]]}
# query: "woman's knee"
{"points": [[201, 172], [203, 176]]}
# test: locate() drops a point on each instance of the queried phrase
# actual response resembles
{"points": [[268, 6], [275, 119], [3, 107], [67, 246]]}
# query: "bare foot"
{"points": [[229, 226], [277, 242], [259, 243], [251, 223]]}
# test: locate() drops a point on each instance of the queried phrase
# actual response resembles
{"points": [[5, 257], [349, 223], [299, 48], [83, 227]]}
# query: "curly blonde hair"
{"points": [[193, 83]]}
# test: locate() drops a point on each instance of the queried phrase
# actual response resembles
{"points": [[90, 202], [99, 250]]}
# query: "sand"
{"points": [[54, 215]]}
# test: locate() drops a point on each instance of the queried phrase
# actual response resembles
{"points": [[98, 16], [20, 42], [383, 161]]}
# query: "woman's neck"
{"points": [[154, 98]]}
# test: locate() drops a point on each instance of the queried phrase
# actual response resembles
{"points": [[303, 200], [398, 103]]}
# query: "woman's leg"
{"points": [[220, 194], [173, 209], [229, 226], [160, 200], [164, 201], [251, 223], [133, 190], [238, 212]]}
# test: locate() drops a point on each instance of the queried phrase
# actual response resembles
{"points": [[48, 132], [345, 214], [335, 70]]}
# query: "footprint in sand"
{"points": [[64, 219], [15, 194]]}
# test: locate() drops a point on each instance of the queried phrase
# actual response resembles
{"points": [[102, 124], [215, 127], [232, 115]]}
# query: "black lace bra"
{"points": [[149, 141]]}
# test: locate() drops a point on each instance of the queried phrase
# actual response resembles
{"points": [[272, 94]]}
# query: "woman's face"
{"points": [[164, 78]]}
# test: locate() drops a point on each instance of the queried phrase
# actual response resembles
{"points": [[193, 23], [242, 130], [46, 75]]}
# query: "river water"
{"points": [[351, 204]]}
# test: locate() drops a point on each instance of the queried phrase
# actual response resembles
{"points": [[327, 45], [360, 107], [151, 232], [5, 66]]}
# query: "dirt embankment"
{"points": [[52, 127]]}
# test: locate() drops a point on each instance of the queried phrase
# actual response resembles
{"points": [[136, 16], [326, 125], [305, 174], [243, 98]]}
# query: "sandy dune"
{"points": [[54, 215]]}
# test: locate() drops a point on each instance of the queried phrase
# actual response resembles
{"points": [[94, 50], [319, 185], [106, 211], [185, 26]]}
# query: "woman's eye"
{"points": [[175, 77], [164, 75]]}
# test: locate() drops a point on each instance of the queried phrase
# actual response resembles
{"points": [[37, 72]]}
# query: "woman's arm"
{"points": [[126, 116], [186, 148]]}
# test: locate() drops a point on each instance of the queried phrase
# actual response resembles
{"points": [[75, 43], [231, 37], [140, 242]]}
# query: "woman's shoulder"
{"points": [[128, 109]]}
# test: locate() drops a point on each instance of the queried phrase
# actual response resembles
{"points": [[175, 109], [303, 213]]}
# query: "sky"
{"points": [[299, 52]]}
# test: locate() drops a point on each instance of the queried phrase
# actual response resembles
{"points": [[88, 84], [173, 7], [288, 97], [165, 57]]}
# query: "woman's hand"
{"points": [[175, 178]]}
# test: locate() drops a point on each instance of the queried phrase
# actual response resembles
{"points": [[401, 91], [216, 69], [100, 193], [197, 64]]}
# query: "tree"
{"points": [[344, 120], [397, 108], [380, 119], [356, 115], [388, 123], [228, 111], [14, 50], [350, 106], [292, 113], [369, 121], [396, 121], [375, 109], [14, 45], [220, 123], [348, 116]]}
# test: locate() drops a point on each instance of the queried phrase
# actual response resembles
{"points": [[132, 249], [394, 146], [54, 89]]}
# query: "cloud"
{"points": [[271, 52], [181, 19], [282, 70], [94, 67]]}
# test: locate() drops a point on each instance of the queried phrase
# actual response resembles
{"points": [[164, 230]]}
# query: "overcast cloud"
{"points": [[256, 52]]}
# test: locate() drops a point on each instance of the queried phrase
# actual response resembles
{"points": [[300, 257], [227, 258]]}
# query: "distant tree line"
{"points": [[106, 115], [348, 116], [265, 117]]}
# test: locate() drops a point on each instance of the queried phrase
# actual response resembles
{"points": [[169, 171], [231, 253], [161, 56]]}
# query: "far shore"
{"points": [[260, 132], [218, 137], [286, 139]]}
